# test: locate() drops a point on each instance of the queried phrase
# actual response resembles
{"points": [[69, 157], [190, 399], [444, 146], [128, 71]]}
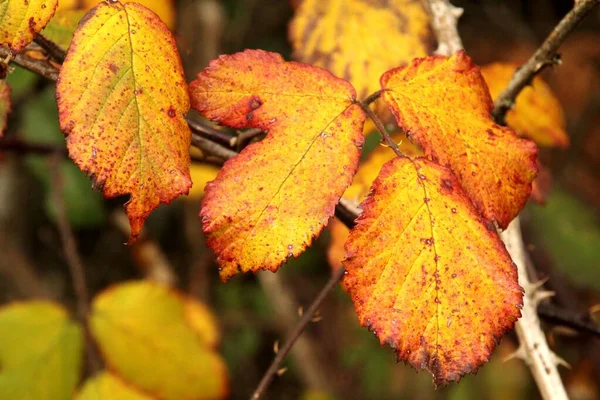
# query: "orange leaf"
{"points": [[444, 104], [425, 273], [268, 203], [346, 37], [537, 113], [20, 20], [5, 105], [122, 98]]}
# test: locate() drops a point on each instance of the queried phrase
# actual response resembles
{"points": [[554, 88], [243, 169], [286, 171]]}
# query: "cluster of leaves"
{"points": [[135, 325], [425, 267]]}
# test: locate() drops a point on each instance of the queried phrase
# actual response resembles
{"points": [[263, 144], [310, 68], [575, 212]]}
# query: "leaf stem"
{"points": [[545, 55], [372, 97], [336, 277], [381, 128]]}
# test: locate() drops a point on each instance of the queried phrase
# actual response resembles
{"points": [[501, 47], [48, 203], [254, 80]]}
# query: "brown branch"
{"points": [[545, 55], [52, 49], [308, 315], [41, 67], [15, 145], [560, 316], [74, 263], [211, 133]]}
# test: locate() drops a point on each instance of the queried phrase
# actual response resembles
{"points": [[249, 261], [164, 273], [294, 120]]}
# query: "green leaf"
{"points": [[40, 352], [568, 231]]}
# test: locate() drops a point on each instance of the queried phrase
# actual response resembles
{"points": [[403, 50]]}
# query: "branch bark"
{"points": [[444, 21], [544, 56], [533, 348]]}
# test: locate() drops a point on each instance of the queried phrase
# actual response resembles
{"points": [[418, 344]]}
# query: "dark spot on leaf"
{"points": [[171, 112], [255, 102]]}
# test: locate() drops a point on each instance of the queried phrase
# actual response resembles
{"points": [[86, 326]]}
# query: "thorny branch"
{"points": [[544, 56]]}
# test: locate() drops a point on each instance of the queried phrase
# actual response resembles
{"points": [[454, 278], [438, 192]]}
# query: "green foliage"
{"points": [[85, 207]]}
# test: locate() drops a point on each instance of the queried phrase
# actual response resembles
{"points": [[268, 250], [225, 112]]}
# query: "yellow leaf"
{"points": [[5, 105], [444, 105], [201, 174], [20, 20], [122, 100], [359, 189], [105, 386], [40, 352], [537, 114], [155, 339], [427, 275], [165, 9], [61, 27], [268, 203], [360, 39]]}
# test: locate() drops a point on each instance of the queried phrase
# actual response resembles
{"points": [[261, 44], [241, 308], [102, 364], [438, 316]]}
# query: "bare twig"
{"points": [[52, 49], [544, 56], [304, 351], [74, 263], [444, 20], [19, 146], [560, 316], [211, 133], [533, 348], [296, 332], [40, 67]]}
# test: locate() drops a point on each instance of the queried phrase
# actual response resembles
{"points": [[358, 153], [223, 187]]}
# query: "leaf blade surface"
{"points": [[444, 104], [268, 202], [427, 275], [122, 100]]}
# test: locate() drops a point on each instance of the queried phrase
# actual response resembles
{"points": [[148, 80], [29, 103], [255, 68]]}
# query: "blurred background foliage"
{"points": [[255, 312]]}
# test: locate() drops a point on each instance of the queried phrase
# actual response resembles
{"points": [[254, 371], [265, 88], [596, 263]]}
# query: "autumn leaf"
{"points": [[537, 113], [427, 275], [444, 104], [360, 39], [40, 352], [62, 26], [359, 189], [21, 20], [268, 202], [122, 100], [165, 9], [106, 385], [159, 341], [5, 105]]}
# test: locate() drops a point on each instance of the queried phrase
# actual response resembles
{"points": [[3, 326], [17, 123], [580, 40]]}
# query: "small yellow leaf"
{"points": [[165, 9], [106, 386], [122, 100], [67, 5], [444, 105], [159, 341], [537, 113], [20, 20], [269, 202], [62, 26], [359, 40], [427, 274], [40, 352], [201, 174]]}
